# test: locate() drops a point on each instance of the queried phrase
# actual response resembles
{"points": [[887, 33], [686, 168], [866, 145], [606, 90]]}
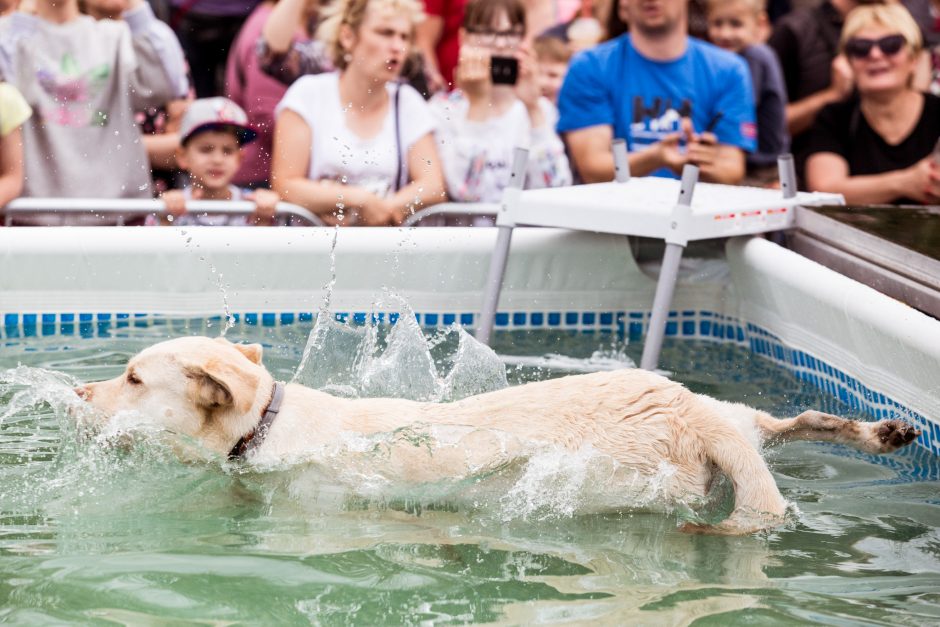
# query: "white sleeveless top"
{"points": [[338, 154]]}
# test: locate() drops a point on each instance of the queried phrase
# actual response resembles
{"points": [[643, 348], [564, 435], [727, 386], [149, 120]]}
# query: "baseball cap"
{"points": [[216, 114]]}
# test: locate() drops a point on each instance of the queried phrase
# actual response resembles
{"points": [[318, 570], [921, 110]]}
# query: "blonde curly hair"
{"points": [[352, 13]]}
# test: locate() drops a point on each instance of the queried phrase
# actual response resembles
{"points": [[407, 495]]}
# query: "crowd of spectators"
{"points": [[364, 111]]}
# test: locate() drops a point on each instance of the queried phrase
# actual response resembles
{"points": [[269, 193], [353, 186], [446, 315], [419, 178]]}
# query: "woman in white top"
{"points": [[355, 146], [481, 122]]}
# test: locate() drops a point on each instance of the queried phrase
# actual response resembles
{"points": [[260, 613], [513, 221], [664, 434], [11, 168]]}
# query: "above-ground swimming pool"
{"points": [[93, 533]]}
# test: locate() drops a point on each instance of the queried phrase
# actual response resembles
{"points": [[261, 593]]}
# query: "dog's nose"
{"points": [[83, 392]]}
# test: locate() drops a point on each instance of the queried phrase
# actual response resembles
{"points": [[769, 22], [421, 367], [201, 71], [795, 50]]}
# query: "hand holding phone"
{"points": [[504, 70]]}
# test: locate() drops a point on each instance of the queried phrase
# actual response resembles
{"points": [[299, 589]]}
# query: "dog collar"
{"points": [[253, 439]]}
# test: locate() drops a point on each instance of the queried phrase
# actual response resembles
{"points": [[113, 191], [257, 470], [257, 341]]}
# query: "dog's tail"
{"points": [[758, 503]]}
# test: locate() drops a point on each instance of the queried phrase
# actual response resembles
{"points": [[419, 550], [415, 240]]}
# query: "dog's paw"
{"points": [[697, 529], [895, 434]]}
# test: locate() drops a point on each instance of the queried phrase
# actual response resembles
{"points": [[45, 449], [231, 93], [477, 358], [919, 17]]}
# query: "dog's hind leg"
{"points": [[758, 503], [885, 436]]}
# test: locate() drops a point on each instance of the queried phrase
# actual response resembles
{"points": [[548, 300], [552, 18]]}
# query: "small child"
{"points": [[14, 111], [212, 134], [552, 55], [738, 26]]}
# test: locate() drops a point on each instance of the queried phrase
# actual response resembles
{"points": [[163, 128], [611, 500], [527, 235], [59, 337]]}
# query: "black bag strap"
{"points": [[400, 171]]}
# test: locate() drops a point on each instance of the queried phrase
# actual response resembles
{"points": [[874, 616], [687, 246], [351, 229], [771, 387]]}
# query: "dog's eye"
{"points": [[132, 379]]}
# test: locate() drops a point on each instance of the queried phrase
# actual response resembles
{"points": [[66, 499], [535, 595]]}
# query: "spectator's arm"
{"points": [[160, 71], [17, 26], [265, 206], [427, 35], [718, 163], [829, 172], [161, 148], [285, 18], [291, 163], [802, 113], [539, 16], [303, 57], [11, 166], [593, 156], [427, 185]]}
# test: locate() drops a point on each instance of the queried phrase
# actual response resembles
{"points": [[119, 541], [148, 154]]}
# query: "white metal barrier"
{"points": [[118, 211], [462, 209]]}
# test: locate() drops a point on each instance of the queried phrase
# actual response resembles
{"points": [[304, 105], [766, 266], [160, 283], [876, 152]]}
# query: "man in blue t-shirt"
{"points": [[675, 99]]}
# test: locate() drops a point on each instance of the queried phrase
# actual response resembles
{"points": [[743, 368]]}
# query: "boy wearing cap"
{"points": [[212, 134]]}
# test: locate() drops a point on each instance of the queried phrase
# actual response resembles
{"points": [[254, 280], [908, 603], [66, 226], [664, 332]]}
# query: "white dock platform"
{"points": [[676, 212], [646, 207]]}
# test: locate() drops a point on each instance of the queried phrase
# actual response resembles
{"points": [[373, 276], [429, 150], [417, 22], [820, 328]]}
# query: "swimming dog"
{"points": [[220, 394]]}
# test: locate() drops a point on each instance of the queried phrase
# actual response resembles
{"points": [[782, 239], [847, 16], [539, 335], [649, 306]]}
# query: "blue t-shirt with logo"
{"points": [[644, 100]]}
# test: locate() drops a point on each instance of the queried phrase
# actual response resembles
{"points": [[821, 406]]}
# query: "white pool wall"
{"points": [[176, 272]]}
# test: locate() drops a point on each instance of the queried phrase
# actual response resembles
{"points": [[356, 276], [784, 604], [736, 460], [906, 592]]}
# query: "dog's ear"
{"points": [[251, 351], [222, 385]]}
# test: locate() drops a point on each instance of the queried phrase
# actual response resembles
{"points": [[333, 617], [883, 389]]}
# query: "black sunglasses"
{"points": [[859, 47]]}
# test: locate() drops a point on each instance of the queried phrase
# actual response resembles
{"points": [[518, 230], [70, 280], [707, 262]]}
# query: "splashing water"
{"points": [[24, 389], [324, 309], [397, 361], [600, 360]]}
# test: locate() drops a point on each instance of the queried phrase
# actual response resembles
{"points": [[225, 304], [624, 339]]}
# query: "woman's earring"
{"points": [[347, 58]]}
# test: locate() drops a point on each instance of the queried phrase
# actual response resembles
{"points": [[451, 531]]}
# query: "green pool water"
{"points": [[90, 534]]}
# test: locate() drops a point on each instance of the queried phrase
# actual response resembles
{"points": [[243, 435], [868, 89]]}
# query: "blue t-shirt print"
{"points": [[651, 120], [644, 100]]}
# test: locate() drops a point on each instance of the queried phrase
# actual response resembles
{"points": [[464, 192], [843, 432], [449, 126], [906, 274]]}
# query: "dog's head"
{"points": [[208, 389]]}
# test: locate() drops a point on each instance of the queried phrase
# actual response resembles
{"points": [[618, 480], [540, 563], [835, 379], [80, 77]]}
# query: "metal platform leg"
{"points": [[505, 224], [786, 170], [621, 161], [676, 242]]}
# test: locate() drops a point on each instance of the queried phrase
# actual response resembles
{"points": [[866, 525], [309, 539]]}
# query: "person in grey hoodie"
{"points": [[84, 80]]}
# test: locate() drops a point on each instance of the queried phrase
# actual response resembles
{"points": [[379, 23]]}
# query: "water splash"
{"points": [[599, 360], [322, 315], [26, 390], [397, 361]]}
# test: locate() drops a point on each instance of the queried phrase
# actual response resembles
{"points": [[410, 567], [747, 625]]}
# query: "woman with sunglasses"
{"points": [[878, 147], [497, 106]]}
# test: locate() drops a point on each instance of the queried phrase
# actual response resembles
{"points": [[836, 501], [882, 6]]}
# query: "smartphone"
{"points": [[504, 70]]}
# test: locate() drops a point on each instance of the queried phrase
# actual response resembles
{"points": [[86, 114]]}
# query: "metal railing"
{"points": [[462, 209], [117, 211]]}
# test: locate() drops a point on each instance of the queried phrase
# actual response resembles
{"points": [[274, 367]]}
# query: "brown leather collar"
{"points": [[253, 439]]}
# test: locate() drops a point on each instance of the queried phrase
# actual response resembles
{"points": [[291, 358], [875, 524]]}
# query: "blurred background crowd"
{"points": [[365, 111]]}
